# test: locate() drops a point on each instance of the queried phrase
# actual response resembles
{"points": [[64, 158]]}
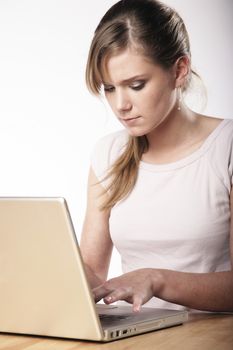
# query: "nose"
{"points": [[123, 102]]}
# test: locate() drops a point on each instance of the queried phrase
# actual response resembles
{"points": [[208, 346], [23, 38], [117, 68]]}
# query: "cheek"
{"points": [[152, 102], [110, 102], [163, 99]]}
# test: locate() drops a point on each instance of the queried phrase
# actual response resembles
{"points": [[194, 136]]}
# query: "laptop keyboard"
{"points": [[111, 313], [114, 317]]}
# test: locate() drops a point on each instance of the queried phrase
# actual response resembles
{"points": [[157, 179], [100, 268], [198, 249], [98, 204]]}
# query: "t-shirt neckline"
{"points": [[190, 158]]}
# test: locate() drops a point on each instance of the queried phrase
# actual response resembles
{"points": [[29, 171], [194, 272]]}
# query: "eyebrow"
{"points": [[129, 80]]}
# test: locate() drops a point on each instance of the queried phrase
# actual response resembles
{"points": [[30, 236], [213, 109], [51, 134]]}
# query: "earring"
{"points": [[179, 98]]}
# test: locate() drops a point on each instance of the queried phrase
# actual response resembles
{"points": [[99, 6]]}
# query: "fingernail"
{"points": [[109, 299], [136, 308]]}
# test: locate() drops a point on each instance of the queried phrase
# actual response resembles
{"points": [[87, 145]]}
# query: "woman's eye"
{"points": [[108, 88], [137, 86]]}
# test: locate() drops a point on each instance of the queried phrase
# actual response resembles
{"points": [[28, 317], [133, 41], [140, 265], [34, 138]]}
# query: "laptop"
{"points": [[43, 287]]}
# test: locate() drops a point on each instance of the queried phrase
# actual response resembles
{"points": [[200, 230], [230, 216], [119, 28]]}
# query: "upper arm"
{"points": [[96, 244]]}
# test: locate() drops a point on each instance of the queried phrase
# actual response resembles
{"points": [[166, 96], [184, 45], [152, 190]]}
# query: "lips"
{"points": [[128, 122], [128, 119]]}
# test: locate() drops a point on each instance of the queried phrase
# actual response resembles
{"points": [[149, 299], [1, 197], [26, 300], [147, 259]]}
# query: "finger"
{"points": [[100, 292], [118, 294], [137, 303]]}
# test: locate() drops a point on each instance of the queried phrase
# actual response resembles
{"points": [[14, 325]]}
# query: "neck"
{"points": [[175, 131]]}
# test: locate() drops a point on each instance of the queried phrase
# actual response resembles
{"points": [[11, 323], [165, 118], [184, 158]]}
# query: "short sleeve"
{"points": [[106, 151], [221, 154], [229, 152], [231, 162]]}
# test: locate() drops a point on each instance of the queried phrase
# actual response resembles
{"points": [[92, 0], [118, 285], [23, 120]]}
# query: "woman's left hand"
{"points": [[136, 287]]}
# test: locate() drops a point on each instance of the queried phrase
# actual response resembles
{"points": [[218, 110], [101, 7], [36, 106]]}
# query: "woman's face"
{"points": [[140, 93]]}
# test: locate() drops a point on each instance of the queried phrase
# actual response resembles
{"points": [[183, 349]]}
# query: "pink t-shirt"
{"points": [[178, 215]]}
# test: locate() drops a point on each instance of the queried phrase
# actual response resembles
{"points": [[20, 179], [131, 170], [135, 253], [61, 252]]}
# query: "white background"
{"points": [[49, 121]]}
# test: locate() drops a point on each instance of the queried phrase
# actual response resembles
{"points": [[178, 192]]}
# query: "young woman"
{"points": [[160, 190]]}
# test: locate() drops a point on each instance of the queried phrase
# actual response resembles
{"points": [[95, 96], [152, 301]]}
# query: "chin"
{"points": [[135, 132]]}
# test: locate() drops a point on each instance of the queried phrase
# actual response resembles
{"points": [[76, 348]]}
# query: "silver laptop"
{"points": [[43, 286]]}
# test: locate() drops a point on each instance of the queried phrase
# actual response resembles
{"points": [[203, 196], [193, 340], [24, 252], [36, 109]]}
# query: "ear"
{"points": [[182, 69]]}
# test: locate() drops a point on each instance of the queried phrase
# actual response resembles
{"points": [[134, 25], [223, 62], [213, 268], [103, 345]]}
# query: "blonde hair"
{"points": [[124, 171], [159, 32]]}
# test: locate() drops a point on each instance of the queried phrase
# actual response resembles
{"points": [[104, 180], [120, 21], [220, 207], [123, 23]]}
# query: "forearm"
{"points": [[203, 291], [92, 277]]}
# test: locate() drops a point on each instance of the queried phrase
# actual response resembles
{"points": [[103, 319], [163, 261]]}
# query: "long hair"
{"points": [[160, 33]]}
